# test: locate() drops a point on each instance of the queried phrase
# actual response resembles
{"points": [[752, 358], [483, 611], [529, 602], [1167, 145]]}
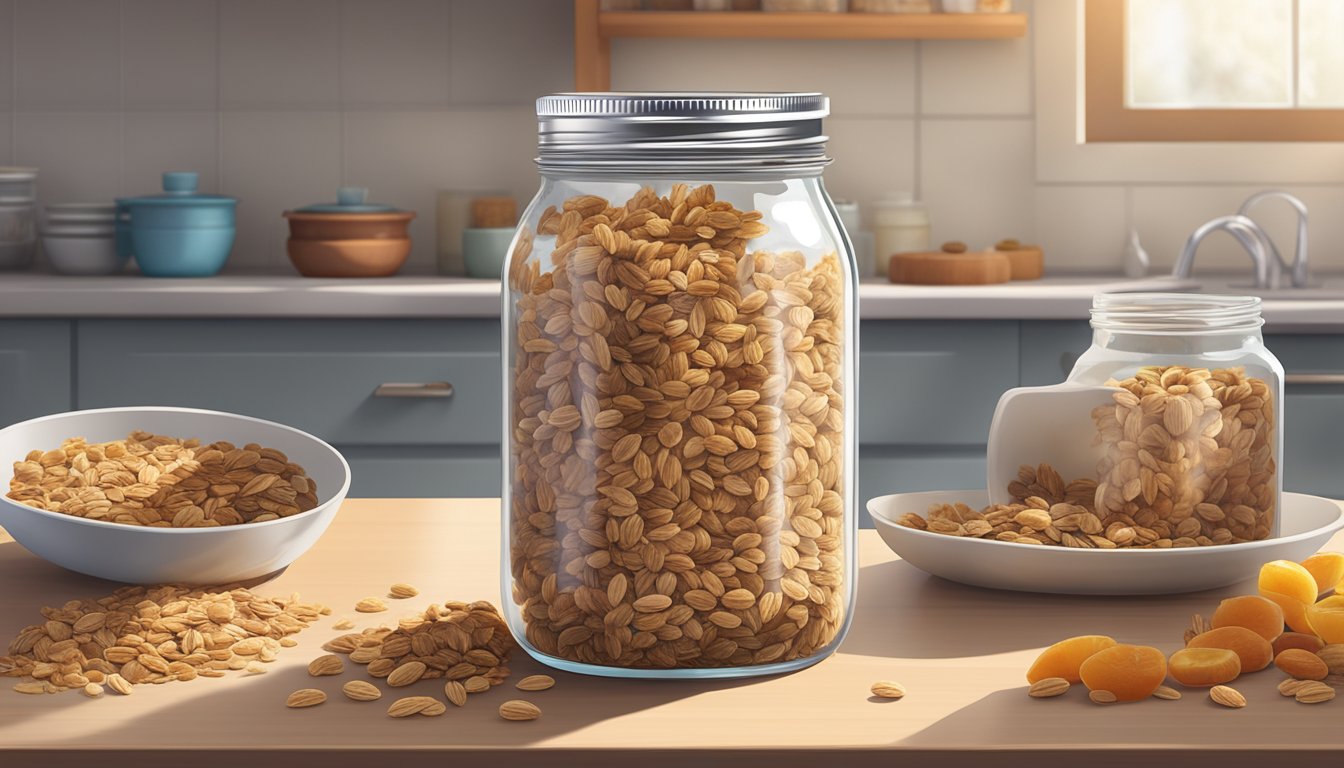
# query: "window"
{"points": [[1214, 70]]}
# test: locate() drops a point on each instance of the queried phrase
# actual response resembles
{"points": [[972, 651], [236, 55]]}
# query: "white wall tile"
{"points": [[1165, 217], [977, 77], [860, 77], [384, 152], [77, 155], [279, 54], [169, 54], [155, 142], [475, 149], [873, 157], [511, 53], [394, 52], [6, 54], [67, 54], [272, 162], [1081, 229], [977, 178]]}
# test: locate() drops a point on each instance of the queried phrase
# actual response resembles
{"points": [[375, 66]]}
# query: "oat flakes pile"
{"points": [[677, 428], [162, 482], [153, 635], [457, 641]]}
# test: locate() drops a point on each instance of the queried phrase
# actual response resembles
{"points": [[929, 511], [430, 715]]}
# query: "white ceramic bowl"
{"points": [[81, 217], [56, 209], [1306, 523], [82, 229], [141, 555], [83, 255]]}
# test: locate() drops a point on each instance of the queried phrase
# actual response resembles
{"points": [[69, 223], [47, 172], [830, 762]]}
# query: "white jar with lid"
{"points": [[900, 225]]}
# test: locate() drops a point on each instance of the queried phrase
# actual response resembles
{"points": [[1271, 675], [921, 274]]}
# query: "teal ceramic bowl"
{"points": [[181, 252], [179, 233], [484, 251]]}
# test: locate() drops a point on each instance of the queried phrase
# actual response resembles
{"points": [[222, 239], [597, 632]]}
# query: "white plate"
{"points": [[1306, 524], [141, 555]]}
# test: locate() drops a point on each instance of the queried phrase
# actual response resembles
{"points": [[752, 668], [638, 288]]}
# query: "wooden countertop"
{"points": [[961, 652]]}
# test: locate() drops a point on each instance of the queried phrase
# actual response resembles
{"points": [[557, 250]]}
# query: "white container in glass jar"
{"points": [[1193, 445], [679, 333]]}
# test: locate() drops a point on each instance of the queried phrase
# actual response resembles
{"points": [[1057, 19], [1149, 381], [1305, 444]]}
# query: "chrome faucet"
{"points": [[1298, 274], [1269, 264]]}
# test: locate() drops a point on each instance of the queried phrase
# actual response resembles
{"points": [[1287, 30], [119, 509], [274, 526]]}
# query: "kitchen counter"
{"points": [[961, 652], [1052, 298]]}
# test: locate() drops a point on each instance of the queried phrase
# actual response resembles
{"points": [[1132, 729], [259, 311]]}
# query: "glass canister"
{"points": [[679, 350], [1191, 448]]}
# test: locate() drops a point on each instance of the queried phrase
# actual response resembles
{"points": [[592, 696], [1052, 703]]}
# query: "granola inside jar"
{"points": [[679, 319]]}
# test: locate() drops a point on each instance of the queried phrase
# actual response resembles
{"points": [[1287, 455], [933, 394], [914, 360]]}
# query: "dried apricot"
{"points": [[1327, 568], [1294, 611], [1131, 672], [1202, 667], [1288, 578], [1065, 657], [1258, 614], [1254, 651], [1327, 619], [1303, 665], [1302, 640]]}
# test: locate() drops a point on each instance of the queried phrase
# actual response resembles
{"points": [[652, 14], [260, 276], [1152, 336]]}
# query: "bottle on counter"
{"points": [[900, 225], [860, 238]]}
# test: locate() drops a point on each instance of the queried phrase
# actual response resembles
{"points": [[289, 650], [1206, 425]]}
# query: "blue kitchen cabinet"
{"points": [[927, 391], [321, 376], [1313, 461], [933, 382], [34, 369], [1049, 348]]}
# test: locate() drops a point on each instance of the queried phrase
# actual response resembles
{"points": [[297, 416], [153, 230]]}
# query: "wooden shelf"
{"points": [[594, 29], [812, 26]]}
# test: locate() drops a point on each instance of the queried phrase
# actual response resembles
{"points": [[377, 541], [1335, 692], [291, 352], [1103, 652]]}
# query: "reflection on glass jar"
{"points": [[678, 334]]}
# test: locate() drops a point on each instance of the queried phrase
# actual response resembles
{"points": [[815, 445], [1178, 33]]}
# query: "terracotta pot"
{"points": [[349, 226], [351, 217], [379, 257]]}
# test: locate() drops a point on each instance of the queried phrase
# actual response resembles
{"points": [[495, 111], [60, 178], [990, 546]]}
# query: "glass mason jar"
{"points": [[1191, 449], [679, 323]]}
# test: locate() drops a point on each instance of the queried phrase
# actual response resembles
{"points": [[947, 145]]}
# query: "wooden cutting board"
{"points": [[939, 268], [1027, 262]]}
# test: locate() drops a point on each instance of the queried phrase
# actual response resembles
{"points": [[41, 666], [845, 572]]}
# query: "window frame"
{"points": [[1107, 118]]}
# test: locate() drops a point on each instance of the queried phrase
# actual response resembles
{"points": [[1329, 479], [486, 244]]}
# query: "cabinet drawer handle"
{"points": [[417, 389], [1314, 378]]}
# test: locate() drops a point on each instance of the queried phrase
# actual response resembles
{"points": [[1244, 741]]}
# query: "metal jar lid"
{"points": [[676, 133]]}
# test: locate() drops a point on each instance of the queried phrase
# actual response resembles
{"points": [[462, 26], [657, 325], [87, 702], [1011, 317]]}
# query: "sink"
{"points": [[1325, 291]]}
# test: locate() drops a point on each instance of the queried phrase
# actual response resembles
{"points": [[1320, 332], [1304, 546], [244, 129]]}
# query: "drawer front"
{"points": [[933, 383], [888, 470], [443, 472], [1308, 353], [34, 369], [1312, 432], [1050, 348], [316, 375], [1313, 411]]}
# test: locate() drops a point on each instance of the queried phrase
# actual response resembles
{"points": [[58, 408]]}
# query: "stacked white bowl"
{"points": [[80, 238]]}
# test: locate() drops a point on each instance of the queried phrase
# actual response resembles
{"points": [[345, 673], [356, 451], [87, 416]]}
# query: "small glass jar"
{"points": [[1191, 449], [679, 328]]}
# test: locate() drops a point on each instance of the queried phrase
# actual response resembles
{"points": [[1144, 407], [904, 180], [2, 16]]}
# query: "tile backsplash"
{"points": [[280, 101]]}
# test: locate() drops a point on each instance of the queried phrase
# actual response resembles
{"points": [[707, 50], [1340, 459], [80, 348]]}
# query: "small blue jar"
{"points": [[179, 233]]}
